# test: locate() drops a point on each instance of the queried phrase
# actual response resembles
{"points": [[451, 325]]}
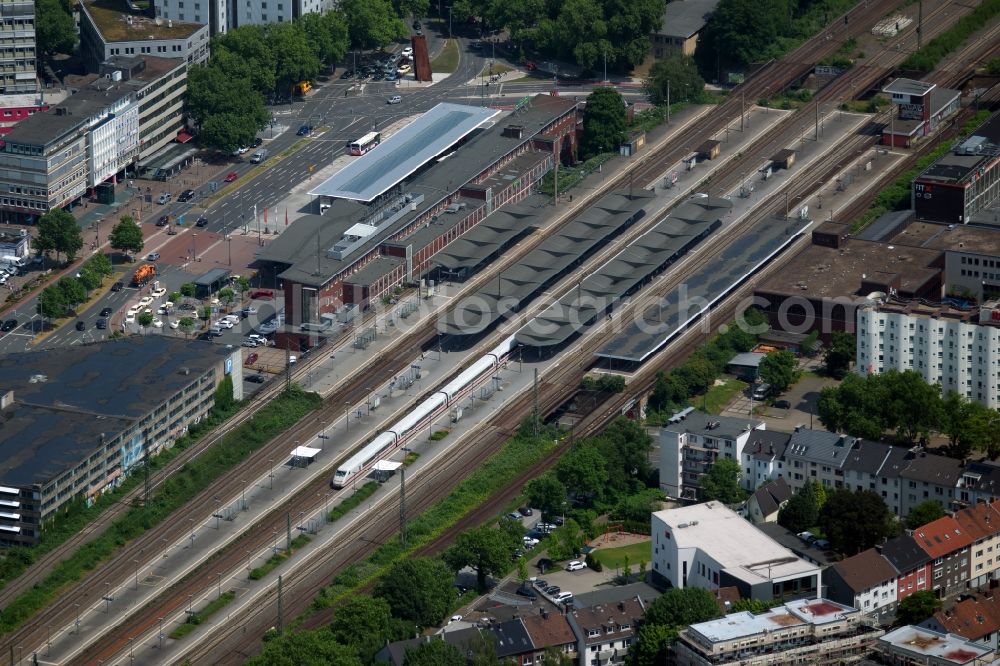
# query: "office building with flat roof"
{"points": [[77, 420], [710, 546]]}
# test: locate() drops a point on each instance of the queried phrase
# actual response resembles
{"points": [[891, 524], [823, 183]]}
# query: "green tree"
{"points": [[145, 319], [625, 447], [224, 399], [227, 107], [681, 74], [917, 607], [433, 652], [741, 32], [327, 35], [186, 324], [485, 549], [801, 512], [926, 512], [911, 406], [52, 302], [778, 368], [755, 606], [372, 23], [101, 264], [604, 122], [840, 354], [418, 589], [205, 312], [295, 58], [363, 623], [854, 521], [546, 493], [722, 482], [126, 236], [59, 232], [652, 645], [582, 470], [174, 297], [188, 289], [73, 290], [226, 295], [680, 607], [89, 277], [55, 30], [566, 541], [420, 8], [304, 648]]}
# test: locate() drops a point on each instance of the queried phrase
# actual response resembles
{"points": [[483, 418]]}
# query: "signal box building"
{"points": [[920, 108]]}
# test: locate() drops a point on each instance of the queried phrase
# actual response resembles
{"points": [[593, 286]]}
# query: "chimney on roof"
{"points": [[770, 448], [621, 606]]}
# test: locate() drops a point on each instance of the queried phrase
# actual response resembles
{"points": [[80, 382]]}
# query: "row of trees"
{"points": [[58, 231], [903, 404], [252, 63], [59, 298]]}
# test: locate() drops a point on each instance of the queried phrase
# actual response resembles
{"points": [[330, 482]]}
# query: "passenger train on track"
{"points": [[438, 402]]}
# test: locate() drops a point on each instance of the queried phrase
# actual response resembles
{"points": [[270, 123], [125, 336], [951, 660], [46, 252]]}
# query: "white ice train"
{"points": [[387, 442]]}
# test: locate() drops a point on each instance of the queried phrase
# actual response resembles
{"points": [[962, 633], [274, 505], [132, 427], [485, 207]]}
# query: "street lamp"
{"points": [[194, 247]]}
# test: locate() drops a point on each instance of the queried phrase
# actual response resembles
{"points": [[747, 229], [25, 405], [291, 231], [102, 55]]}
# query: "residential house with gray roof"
{"points": [[763, 506], [911, 562], [764, 458], [866, 581]]}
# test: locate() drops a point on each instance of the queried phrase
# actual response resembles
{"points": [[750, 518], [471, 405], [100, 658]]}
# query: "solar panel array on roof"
{"points": [[547, 262], [656, 249], [718, 277], [404, 152]]}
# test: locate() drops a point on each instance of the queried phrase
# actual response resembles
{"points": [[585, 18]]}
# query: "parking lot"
{"points": [[803, 397]]}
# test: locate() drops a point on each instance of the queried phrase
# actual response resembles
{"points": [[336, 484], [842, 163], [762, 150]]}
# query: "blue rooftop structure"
{"points": [[404, 152]]}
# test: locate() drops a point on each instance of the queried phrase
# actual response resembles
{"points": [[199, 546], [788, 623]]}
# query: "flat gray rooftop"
{"points": [[661, 322], [659, 247], [547, 262], [908, 87], [427, 137], [684, 18], [955, 167], [487, 237], [65, 398], [47, 126]]}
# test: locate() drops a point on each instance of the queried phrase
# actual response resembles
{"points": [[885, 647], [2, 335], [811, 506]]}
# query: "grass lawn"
{"points": [[721, 394], [614, 558], [498, 68], [447, 60]]}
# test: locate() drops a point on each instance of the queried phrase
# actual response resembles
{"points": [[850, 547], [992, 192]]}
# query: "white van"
{"points": [[15, 261]]}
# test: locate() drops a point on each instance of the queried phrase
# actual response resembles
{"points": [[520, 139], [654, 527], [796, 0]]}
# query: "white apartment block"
{"points": [[954, 348], [17, 47], [114, 140], [223, 15], [689, 447]]}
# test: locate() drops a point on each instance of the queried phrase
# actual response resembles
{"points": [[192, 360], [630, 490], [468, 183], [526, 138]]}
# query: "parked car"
{"points": [[526, 511], [395, 99], [258, 142], [407, 52], [514, 516], [540, 583], [164, 198], [575, 565], [527, 592], [807, 537], [256, 379], [782, 404], [186, 195], [552, 590], [231, 176], [822, 544], [249, 310], [251, 359]]}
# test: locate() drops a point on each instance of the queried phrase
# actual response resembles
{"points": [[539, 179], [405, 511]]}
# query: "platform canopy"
{"points": [[305, 452], [387, 466], [405, 152]]}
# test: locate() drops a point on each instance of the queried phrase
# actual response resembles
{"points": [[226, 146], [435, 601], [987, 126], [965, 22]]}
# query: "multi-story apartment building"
{"points": [[981, 522], [947, 544], [710, 546], [917, 646], [606, 631], [866, 581], [816, 631], [78, 420], [17, 48], [764, 458], [911, 562], [689, 447], [958, 349], [224, 15], [106, 32]]}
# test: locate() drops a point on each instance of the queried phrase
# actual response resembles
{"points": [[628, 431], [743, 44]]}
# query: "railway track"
{"points": [[356, 387], [227, 645]]}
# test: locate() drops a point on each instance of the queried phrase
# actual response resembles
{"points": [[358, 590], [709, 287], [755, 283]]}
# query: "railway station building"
{"points": [[78, 420], [387, 213]]}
